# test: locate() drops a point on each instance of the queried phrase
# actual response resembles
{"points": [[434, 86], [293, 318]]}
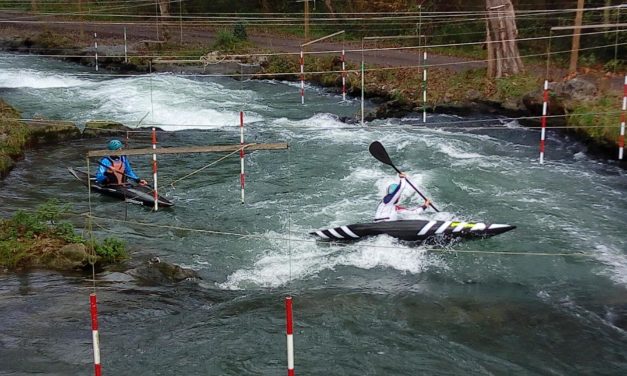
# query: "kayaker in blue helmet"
{"points": [[114, 169], [388, 208]]}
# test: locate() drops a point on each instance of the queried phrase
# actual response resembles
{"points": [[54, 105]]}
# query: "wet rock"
{"points": [[348, 119], [104, 128], [561, 95], [473, 95], [394, 109], [159, 272], [533, 102], [577, 89], [46, 132], [69, 257]]}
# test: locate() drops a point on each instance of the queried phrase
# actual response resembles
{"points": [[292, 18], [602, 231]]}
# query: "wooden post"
{"points": [[574, 51]]}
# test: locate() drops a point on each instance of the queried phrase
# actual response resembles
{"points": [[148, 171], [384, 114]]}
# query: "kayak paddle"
{"points": [[378, 151]]}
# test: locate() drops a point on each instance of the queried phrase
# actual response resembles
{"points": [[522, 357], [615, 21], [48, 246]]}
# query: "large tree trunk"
{"points": [[265, 7], [164, 7], [328, 4], [503, 55]]}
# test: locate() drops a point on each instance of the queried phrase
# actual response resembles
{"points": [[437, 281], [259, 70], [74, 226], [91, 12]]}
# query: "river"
{"points": [[556, 305]]}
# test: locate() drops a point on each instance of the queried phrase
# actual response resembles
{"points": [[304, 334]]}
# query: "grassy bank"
{"points": [[42, 239], [595, 121], [445, 88], [14, 136]]}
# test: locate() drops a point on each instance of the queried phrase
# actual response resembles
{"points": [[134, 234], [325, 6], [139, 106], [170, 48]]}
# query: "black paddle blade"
{"points": [[378, 151]]}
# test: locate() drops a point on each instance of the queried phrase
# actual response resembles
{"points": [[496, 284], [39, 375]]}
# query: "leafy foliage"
{"points": [[598, 119], [111, 250], [38, 234], [226, 41], [239, 31]]}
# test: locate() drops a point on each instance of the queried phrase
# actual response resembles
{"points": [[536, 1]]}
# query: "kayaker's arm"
{"points": [[103, 166], [417, 210], [130, 173]]}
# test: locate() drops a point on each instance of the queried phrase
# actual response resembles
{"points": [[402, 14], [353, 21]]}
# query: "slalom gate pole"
{"points": [[343, 75], [290, 336], [125, 48], [424, 88], [302, 77], [623, 115], [154, 168], [96, 49], [545, 105], [242, 177], [94, 333]]}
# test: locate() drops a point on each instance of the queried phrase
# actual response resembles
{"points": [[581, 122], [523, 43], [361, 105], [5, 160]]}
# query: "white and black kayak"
{"points": [[414, 230], [131, 192]]}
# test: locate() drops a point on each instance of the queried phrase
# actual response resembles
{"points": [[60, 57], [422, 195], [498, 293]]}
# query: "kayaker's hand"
{"points": [[426, 204], [401, 175], [142, 182]]}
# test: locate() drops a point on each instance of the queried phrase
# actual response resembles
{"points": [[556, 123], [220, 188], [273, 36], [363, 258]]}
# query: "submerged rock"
{"points": [[159, 272]]}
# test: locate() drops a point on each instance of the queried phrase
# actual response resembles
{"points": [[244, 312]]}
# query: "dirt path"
{"points": [[112, 34]]}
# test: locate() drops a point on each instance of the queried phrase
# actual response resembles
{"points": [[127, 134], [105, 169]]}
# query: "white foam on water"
{"points": [[277, 267], [173, 103], [28, 78], [456, 150], [384, 251], [616, 261]]}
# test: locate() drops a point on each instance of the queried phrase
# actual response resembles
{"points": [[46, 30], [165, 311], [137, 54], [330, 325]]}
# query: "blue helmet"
{"points": [[392, 188], [115, 145]]}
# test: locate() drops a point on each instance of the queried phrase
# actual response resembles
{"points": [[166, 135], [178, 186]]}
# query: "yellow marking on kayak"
{"points": [[467, 225]]}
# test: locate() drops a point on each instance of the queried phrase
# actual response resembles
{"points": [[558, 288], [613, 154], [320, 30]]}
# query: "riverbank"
{"points": [[587, 109]]}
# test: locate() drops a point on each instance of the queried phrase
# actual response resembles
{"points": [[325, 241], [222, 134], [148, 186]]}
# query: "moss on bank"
{"points": [[594, 121], [598, 120], [404, 85], [14, 136], [40, 239]]}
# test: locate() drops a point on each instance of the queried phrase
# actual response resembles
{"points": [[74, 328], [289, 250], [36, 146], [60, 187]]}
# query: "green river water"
{"points": [[558, 306]]}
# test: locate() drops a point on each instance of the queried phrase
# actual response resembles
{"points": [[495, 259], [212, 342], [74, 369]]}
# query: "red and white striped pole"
{"points": [[290, 336], [94, 334], [424, 88], [154, 169], [623, 115], [545, 105], [302, 77], [343, 75], [242, 177]]}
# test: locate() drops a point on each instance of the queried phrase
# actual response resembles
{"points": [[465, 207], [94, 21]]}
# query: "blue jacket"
{"points": [[104, 173]]}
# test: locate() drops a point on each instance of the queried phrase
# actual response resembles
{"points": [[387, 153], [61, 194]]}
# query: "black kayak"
{"points": [[133, 193], [414, 230]]}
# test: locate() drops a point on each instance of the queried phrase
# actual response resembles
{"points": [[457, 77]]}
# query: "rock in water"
{"points": [[159, 272]]}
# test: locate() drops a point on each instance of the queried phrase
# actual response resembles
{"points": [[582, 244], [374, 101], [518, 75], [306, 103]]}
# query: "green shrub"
{"points": [[225, 41], [66, 232], [13, 252], [51, 210], [239, 31], [25, 225], [614, 65], [111, 250]]}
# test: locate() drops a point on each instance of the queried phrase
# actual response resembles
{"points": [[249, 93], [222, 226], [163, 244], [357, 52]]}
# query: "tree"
{"points": [[164, 7], [503, 55]]}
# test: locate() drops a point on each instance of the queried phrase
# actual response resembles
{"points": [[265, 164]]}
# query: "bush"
{"points": [[239, 31], [225, 41], [38, 235], [13, 253], [111, 250]]}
